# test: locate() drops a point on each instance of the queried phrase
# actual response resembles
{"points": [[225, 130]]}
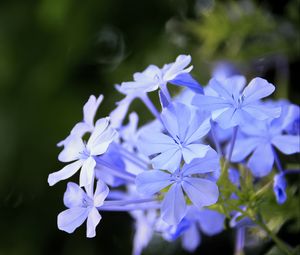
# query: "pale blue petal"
{"points": [[176, 68], [64, 173], [200, 191], [191, 238], [211, 222], [207, 164], [72, 149], [210, 103], [198, 127], [141, 86], [234, 85], [71, 219], [287, 144], [186, 80], [81, 128], [87, 172], [262, 160], [226, 119], [261, 111], [152, 181], [74, 195], [101, 126], [156, 143], [258, 88], [168, 160], [244, 146], [173, 206], [193, 151], [100, 144], [118, 115], [93, 220], [90, 108], [176, 119], [101, 193]]}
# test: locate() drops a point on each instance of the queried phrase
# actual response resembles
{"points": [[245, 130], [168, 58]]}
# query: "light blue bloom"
{"points": [[87, 125], [207, 221], [83, 155], [279, 187], [260, 138], [185, 129], [154, 77], [200, 190], [82, 206], [232, 105]]}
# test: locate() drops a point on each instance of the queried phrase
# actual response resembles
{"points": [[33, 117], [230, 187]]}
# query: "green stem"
{"points": [[280, 244]]}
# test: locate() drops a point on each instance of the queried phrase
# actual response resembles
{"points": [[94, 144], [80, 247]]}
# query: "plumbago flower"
{"points": [[82, 205], [261, 138], [192, 180], [208, 221], [165, 172], [232, 104], [185, 129], [83, 154], [87, 125], [153, 77]]}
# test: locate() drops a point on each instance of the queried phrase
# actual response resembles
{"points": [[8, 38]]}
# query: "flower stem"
{"points": [[279, 243], [277, 160], [233, 139], [214, 137], [146, 100], [239, 241]]}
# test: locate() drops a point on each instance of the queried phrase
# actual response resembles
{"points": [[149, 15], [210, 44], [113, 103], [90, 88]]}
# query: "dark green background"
{"points": [[55, 53]]}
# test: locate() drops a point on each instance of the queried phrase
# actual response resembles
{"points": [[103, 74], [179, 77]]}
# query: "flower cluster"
{"points": [[173, 173]]}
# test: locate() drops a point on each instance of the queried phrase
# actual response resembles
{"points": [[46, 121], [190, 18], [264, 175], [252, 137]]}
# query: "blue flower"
{"points": [[279, 187], [82, 206], [260, 138], [87, 125], [208, 221], [185, 129], [83, 155], [232, 105], [191, 180], [154, 77]]}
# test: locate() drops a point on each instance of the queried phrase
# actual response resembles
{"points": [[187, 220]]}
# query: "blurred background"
{"points": [[55, 53]]}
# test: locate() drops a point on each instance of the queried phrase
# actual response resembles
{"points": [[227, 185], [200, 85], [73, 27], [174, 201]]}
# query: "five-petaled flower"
{"points": [[81, 206], [83, 154]]}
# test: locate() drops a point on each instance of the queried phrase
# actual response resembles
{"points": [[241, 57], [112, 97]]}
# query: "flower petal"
{"points": [[257, 88], [193, 151], [74, 195], [156, 143], [87, 172], [207, 164], [186, 80], [261, 161], [101, 193], [90, 108], [64, 173], [287, 144], [191, 238], [211, 222], [244, 146], [168, 160], [200, 191], [93, 220], [73, 146], [71, 219], [173, 206], [152, 181]]}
